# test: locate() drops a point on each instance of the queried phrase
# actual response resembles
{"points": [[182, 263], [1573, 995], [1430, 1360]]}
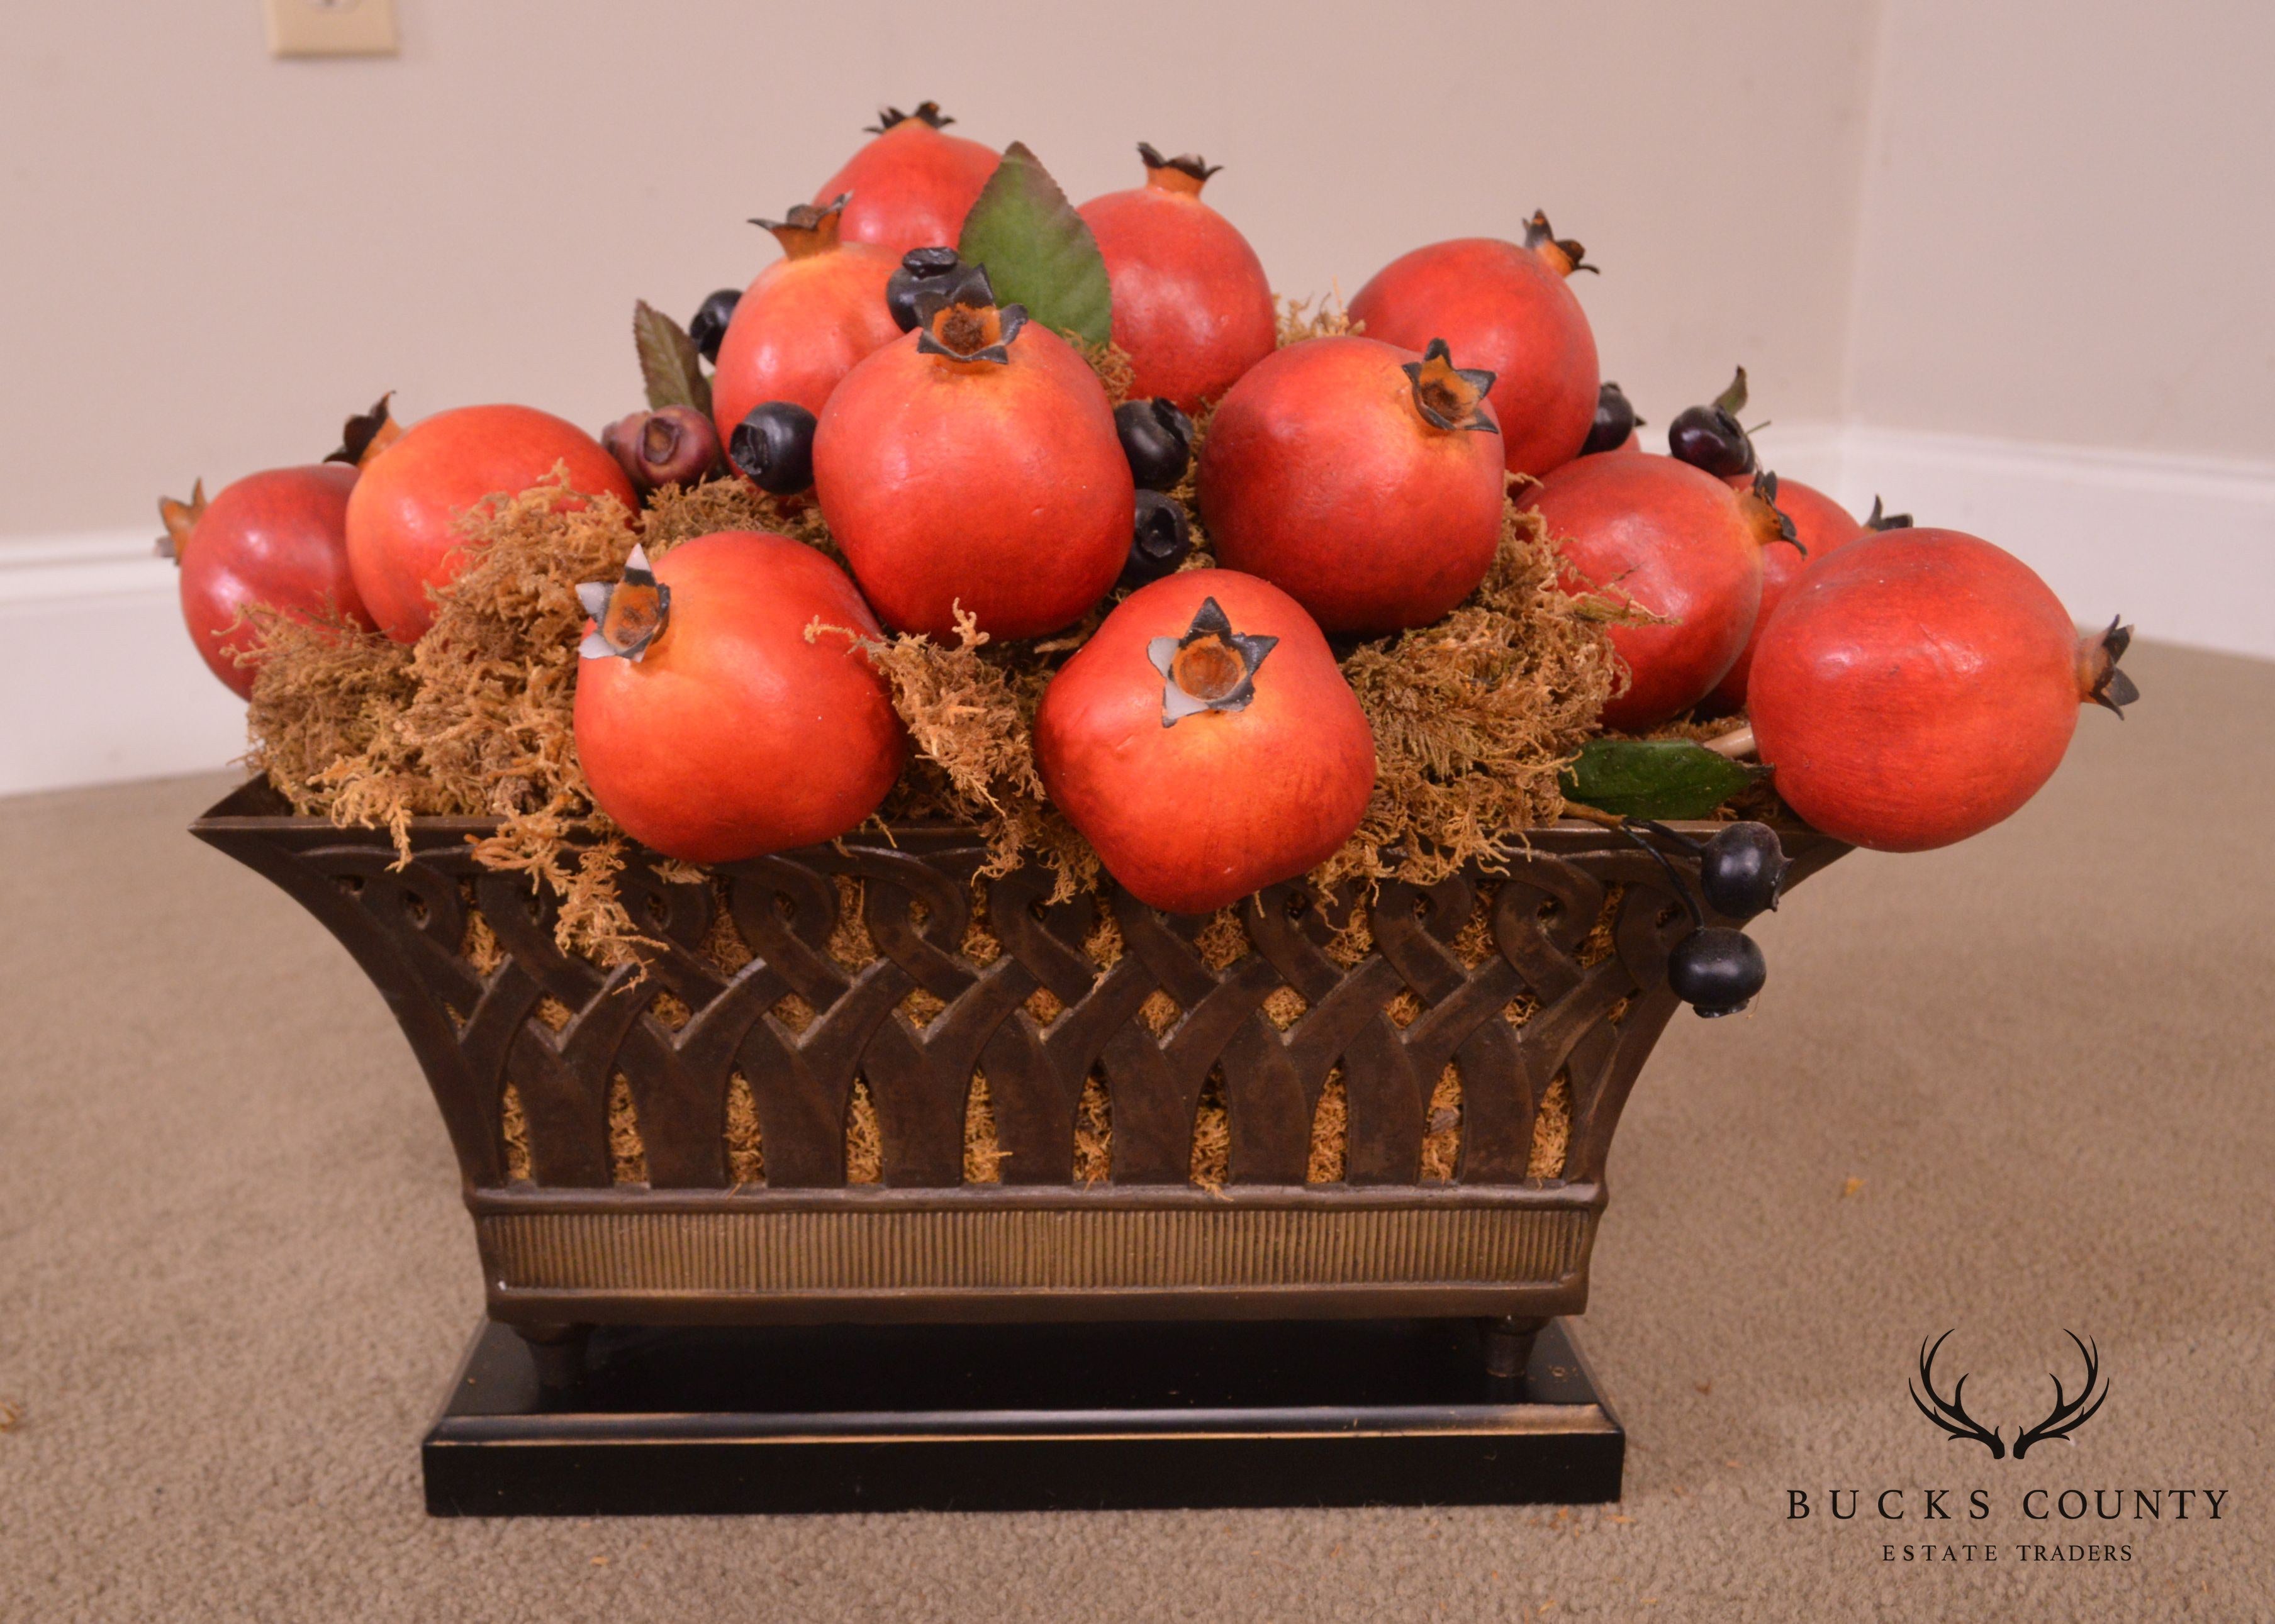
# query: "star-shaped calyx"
{"points": [[1447, 396], [628, 615], [1212, 668], [1563, 255], [807, 228], [962, 323], [1185, 173]]}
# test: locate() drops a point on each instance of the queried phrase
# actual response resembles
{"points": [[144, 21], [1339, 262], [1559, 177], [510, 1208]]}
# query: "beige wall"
{"points": [[2068, 225], [212, 256]]}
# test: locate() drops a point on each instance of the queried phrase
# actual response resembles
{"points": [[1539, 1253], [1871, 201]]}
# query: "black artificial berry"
{"points": [[1710, 437], [774, 447], [1741, 870], [1158, 440], [1716, 971], [1160, 541], [1615, 420], [710, 324], [923, 271]]}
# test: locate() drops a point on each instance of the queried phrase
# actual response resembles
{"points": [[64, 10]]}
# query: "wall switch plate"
{"points": [[331, 27]]}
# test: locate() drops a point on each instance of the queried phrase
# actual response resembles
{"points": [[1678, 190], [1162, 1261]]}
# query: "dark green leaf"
{"points": [[671, 365], [1038, 251], [1654, 778]]}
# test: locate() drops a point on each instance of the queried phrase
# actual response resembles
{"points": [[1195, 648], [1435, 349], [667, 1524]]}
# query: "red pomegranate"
{"points": [[1191, 305], [1820, 524], [804, 320], [1205, 741], [1363, 481], [974, 463], [403, 524], [277, 538], [1656, 533], [912, 187], [1918, 686], [1505, 307], [709, 725]]}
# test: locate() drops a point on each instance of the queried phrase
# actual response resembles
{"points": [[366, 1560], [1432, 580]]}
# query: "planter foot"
{"points": [[556, 1354], [1142, 1415]]}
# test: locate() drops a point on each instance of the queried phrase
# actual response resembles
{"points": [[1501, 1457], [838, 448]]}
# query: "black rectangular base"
{"points": [[1021, 1417]]}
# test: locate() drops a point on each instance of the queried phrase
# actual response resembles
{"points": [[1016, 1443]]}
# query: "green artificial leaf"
{"points": [[671, 365], [1038, 251], [1654, 778]]}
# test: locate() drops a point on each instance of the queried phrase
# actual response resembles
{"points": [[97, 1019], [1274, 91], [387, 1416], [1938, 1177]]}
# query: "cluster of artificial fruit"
{"points": [[922, 369]]}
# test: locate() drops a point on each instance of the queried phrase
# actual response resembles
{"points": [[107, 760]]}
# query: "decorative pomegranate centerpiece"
{"points": [[1505, 307], [1191, 306], [1361, 479], [1203, 741], [973, 465], [277, 538]]}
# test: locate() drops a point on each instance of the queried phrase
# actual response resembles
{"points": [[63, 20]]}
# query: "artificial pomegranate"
{"points": [[709, 725], [804, 320], [1191, 306], [1650, 532], [973, 464], [1503, 307], [1205, 742], [912, 186], [277, 538], [403, 534], [1918, 686], [1820, 524], [1361, 479]]}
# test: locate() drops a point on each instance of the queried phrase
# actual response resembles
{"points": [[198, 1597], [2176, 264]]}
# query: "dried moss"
{"points": [[1321, 316]]}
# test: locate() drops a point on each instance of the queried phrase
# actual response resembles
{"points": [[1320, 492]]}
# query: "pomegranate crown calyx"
{"points": [[1211, 667], [962, 321], [627, 615], [1881, 520], [1564, 255], [1186, 173], [1447, 396], [1771, 519], [180, 518], [367, 433], [926, 113], [808, 228], [2106, 685]]}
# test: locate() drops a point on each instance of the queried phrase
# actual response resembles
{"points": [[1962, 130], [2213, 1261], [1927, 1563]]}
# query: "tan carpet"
{"points": [[234, 1275]]}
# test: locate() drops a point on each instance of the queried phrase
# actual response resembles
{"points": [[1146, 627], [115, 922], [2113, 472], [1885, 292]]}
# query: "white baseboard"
{"points": [[107, 683], [109, 687], [2183, 547]]}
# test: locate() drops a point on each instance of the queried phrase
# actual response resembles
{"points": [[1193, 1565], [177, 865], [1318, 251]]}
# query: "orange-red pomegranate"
{"points": [[1919, 685], [709, 726], [804, 320], [277, 538], [1363, 480], [1503, 307], [1205, 741], [912, 186], [1191, 305], [403, 520], [973, 464], [1648, 531], [1819, 526]]}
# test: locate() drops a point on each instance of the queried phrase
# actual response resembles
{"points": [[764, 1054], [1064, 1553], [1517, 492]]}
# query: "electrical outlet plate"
{"points": [[331, 27]]}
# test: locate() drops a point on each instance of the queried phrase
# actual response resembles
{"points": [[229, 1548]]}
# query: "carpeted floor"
{"points": [[2013, 1087]]}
